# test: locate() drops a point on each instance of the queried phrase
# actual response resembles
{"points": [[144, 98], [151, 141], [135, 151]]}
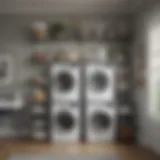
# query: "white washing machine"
{"points": [[66, 121], [65, 82], [101, 122], [100, 82]]}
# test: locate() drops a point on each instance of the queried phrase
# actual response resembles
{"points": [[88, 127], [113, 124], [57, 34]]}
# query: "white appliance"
{"points": [[65, 82], [100, 123], [12, 101], [100, 82], [66, 123]]}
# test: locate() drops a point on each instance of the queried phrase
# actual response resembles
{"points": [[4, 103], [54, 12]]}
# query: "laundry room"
{"points": [[80, 79]]}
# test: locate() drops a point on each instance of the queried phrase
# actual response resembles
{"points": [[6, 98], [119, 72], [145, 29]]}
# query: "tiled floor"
{"points": [[124, 152]]}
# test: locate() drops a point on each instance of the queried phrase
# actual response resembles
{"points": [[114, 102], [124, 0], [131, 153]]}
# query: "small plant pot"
{"points": [[39, 31], [58, 31]]}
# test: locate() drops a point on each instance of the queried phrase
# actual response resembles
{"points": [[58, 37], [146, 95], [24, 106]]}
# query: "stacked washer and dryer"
{"points": [[101, 110], [66, 107], [83, 94]]}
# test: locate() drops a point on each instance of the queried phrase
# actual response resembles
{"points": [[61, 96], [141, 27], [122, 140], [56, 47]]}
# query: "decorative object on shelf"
{"points": [[73, 56], [39, 30], [90, 30], [39, 58], [6, 69], [58, 31], [60, 56], [39, 96], [37, 81]]}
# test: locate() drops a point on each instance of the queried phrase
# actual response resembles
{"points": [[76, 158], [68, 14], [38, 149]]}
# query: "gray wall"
{"points": [[149, 129], [68, 6]]}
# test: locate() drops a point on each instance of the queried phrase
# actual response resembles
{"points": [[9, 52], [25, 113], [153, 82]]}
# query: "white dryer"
{"points": [[66, 123], [101, 122], [65, 82], [100, 82]]}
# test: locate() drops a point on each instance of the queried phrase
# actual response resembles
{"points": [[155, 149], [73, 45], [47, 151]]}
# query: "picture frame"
{"points": [[6, 69]]}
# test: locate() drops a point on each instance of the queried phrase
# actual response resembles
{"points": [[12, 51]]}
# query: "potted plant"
{"points": [[58, 30]]}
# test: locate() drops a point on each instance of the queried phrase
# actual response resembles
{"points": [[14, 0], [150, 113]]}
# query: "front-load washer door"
{"points": [[100, 83], [66, 126], [65, 121], [65, 82], [100, 122]]}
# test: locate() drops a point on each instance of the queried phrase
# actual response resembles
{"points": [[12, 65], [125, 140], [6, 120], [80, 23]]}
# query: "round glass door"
{"points": [[65, 121], [64, 81], [100, 121], [99, 82]]}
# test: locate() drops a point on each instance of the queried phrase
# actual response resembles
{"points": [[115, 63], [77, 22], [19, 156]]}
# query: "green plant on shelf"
{"points": [[57, 29]]}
